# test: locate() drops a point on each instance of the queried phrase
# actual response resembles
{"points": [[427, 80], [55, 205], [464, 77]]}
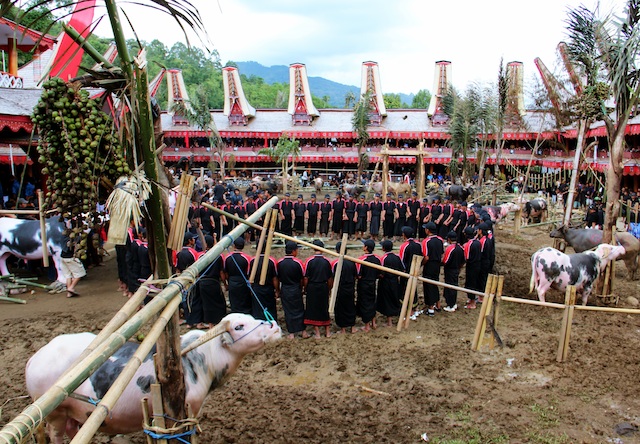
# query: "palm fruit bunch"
{"points": [[77, 147]]}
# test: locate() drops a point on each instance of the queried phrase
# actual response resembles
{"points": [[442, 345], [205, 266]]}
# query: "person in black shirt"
{"points": [[375, 215], [423, 216], [401, 213], [452, 260], [414, 208], [472, 255], [325, 215], [214, 305], [291, 272], [362, 217], [265, 295], [432, 250], [236, 269], [349, 225], [367, 277], [286, 215], [318, 279], [299, 211], [345, 309], [313, 208], [389, 295], [337, 215], [388, 210]]}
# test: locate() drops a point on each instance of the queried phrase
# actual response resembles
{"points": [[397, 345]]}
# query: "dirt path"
{"points": [[427, 381]]}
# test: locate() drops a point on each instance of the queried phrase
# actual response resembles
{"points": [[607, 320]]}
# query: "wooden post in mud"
{"points": [[267, 250], [263, 235], [517, 221], [336, 280], [496, 311], [567, 319], [481, 325], [404, 311], [413, 284]]}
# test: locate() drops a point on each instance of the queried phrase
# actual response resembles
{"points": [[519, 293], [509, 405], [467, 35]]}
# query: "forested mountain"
{"points": [[321, 87], [269, 89]]}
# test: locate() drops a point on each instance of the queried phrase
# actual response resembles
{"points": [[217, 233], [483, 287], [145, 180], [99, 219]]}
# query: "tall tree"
{"points": [[280, 153], [617, 40], [392, 101], [360, 122], [421, 99], [349, 99]]}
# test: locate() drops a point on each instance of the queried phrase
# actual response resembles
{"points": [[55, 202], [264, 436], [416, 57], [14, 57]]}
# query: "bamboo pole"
{"points": [[483, 312], [263, 235], [517, 221], [489, 304], [146, 417], [563, 327], [567, 337], [14, 300], [496, 310], [413, 283], [336, 279], [43, 229], [404, 311], [267, 250], [93, 423], [21, 426], [158, 410], [347, 257]]}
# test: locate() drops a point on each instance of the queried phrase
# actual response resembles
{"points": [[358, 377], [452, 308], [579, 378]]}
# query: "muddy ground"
{"points": [[427, 382]]}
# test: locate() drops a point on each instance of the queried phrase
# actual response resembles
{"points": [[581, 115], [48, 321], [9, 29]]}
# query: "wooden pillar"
{"points": [[385, 175], [420, 173], [13, 56]]}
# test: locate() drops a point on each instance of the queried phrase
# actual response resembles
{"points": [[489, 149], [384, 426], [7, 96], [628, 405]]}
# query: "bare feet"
{"points": [[305, 335], [291, 336]]}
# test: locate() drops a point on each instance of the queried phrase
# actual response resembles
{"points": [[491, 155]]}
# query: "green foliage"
{"points": [[421, 99], [283, 149], [393, 101], [349, 99]]}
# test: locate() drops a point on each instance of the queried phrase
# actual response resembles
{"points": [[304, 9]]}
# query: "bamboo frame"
{"points": [[404, 311], [413, 284], [481, 324], [158, 409], [181, 212], [336, 279], [93, 423], [496, 311], [267, 249], [263, 235], [22, 425]]}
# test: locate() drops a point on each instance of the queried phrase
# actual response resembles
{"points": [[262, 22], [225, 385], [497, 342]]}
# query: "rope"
{"points": [[177, 432], [266, 313]]}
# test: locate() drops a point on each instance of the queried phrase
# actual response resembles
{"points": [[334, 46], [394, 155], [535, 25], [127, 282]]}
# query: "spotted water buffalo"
{"points": [[499, 212], [458, 192], [552, 268], [22, 238], [583, 239], [205, 367], [353, 189], [534, 210]]}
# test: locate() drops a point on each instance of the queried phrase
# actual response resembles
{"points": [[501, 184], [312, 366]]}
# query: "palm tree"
{"points": [[360, 122], [285, 148], [617, 43], [129, 82], [349, 99]]}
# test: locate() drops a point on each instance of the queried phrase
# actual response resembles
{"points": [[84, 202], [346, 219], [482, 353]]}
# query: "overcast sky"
{"points": [[405, 37]]}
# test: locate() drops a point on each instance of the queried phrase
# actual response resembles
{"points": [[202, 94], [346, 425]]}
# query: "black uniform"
{"points": [[388, 227], [425, 210], [265, 295], [214, 305], [487, 252], [236, 266], [325, 211], [376, 213], [453, 260], [432, 250], [338, 211], [367, 276], [299, 208], [403, 211], [414, 208], [313, 208], [318, 272], [389, 294], [362, 213], [286, 226], [291, 272], [472, 255], [350, 211], [345, 309]]}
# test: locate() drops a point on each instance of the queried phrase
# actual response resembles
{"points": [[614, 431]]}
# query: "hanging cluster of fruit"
{"points": [[77, 147]]}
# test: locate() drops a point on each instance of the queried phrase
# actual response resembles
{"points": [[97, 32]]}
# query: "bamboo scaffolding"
{"points": [[93, 423], [22, 425], [181, 212], [347, 257], [267, 249], [492, 283], [413, 284], [336, 279], [263, 235], [404, 311]]}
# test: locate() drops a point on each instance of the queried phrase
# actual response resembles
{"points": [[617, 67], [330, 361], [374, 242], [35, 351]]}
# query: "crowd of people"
{"points": [[448, 236]]}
